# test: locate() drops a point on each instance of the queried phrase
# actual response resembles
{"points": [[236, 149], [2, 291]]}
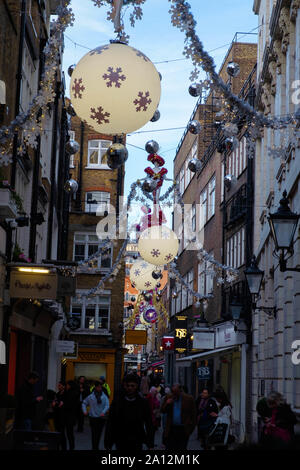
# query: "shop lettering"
{"points": [[227, 336], [36, 285], [296, 354], [181, 333]]}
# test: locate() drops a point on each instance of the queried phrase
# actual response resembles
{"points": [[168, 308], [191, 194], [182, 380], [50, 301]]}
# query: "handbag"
{"points": [[219, 434]]}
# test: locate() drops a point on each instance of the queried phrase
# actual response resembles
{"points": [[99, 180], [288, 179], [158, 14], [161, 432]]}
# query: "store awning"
{"points": [[155, 364], [188, 359]]}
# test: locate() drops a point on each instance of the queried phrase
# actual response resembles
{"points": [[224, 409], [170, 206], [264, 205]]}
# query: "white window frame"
{"points": [[190, 281], [101, 148], [211, 197], [87, 242], [235, 249], [95, 301], [205, 280], [105, 203]]}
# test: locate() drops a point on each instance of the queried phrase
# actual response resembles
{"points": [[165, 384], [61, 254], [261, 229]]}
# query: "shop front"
{"points": [[224, 366]]}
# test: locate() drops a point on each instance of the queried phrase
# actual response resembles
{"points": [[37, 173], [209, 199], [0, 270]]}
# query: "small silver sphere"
{"points": [[194, 165], [233, 69], [151, 146], [195, 89], [71, 186], [149, 185], [71, 69], [72, 146], [156, 116], [194, 127]]}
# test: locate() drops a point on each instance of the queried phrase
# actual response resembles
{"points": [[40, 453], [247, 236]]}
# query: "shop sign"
{"points": [[72, 355], [180, 333], [226, 336], [203, 340], [65, 346], [135, 337], [204, 373], [33, 286]]}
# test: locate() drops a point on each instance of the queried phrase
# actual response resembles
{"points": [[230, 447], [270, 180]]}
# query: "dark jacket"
{"points": [[26, 403], [203, 416], [85, 392], [285, 418], [129, 423], [188, 413], [71, 404]]}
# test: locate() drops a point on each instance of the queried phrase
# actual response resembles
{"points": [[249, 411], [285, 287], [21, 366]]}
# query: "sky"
{"points": [[154, 35]]}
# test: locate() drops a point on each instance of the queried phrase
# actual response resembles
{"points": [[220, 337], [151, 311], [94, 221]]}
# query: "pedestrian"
{"points": [[279, 421], [84, 391], [59, 414], [26, 402], [129, 424], [105, 386], [207, 410], [181, 418], [154, 403], [219, 436], [50, 411], [98, 404], [145, 384], [71, 403]]}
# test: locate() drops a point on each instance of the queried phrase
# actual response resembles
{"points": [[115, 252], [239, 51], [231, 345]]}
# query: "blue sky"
{"points": [[154, 35]]}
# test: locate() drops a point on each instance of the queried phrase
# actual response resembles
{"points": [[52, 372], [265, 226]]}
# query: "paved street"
{"points": [[83, 439]]}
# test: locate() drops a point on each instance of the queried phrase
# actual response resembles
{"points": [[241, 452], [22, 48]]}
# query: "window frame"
{"points": [[88, 243], [91, 149], [107, 203], [83, 306]]}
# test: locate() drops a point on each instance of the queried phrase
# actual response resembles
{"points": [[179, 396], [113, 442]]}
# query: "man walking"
{"points": [[180, 409], [98, 404], [26, 402], [129, 423]]}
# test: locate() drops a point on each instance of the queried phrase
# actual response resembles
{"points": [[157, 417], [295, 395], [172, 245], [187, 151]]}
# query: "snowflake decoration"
{"points": [[99, 50], [168, 257], [114, 77], [78, 88], [230, 129], [140, 54], [277, 152], [148, 284], [100, 116], [5, 159], [144, 265], [142, 102], [165, 235], [155, 253], [137, 272]]}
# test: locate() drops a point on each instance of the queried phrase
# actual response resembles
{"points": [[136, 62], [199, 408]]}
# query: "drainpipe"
{"points": [[78, 203], [53, 172]]}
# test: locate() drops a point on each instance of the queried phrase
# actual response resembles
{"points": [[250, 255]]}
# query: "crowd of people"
{"points": [[144, 405]]}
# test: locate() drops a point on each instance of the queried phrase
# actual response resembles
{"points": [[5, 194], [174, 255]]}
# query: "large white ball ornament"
{"points": [[115, 89], [158, 245], [141, 275]]}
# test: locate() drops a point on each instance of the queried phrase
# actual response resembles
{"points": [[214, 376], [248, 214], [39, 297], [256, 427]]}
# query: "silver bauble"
{"points": [[194, 127], [72, 146], [194, 165], [71, 186], [156, 116], [117, 155], [151, 146], [195, 89], [149, 185], [156, 275], [231, 143], [71, 69], [233, 69]]}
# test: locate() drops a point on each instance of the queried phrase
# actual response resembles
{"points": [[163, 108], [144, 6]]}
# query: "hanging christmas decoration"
{"points": [[158, 245], [115, 89], [195, 89], [71, 186], [151, 146], [149, 185], [150, 315], [233, 69], [194, 165], [117, 155], [141, 275], [71, 69], [72, 147], [156, 116], [194, 127]]}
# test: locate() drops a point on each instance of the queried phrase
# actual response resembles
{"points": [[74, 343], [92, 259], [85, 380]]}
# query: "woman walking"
{"points": [[154, 403], [71, 401], [223, 421], [98, 404]]}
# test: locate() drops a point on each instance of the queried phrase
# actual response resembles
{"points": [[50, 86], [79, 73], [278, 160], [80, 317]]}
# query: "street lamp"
{"points": [[283, 224], [254, 277], [236, 308]]}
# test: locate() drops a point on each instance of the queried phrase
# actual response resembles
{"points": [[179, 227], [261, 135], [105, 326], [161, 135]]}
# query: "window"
{"points": [[237, 160], [178, 299], [72, 137], [85, 245], [235, 249], [97, 201], [190, 280], [193, 217], [181, 180], [93, 313], [96, 154], [205, 278], [207, 202]]}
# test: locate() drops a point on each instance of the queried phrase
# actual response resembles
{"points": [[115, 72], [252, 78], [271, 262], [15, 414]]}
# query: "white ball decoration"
{"points": [[115, 89], [158, 245], [141, 275]]}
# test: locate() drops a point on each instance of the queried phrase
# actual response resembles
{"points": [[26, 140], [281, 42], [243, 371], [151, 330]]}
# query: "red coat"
{"points": [[157, 176]]}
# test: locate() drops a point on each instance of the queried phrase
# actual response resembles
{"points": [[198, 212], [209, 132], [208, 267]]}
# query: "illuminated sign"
{"points": [[32, 285], [180, 333]]}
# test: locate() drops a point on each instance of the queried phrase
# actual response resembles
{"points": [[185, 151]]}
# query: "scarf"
{"points": [[98, 396]]}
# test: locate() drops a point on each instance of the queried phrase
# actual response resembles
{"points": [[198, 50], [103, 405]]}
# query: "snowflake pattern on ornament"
{"points": [[140, 54], [148, 284], [100, 115], [5, 159], [137, 272], [99, 50], [168, 257], [78, 88], [142, 102], [144, 265], [155, 253], [114, 77]]}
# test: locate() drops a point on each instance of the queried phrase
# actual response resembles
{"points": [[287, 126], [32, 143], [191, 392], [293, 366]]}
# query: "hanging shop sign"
{"points": [[167, 343], [135, 337], [180, 333], [65, 346], [29, 285], [227, 336], [72, 355], [204, 373], [203, 340]]}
